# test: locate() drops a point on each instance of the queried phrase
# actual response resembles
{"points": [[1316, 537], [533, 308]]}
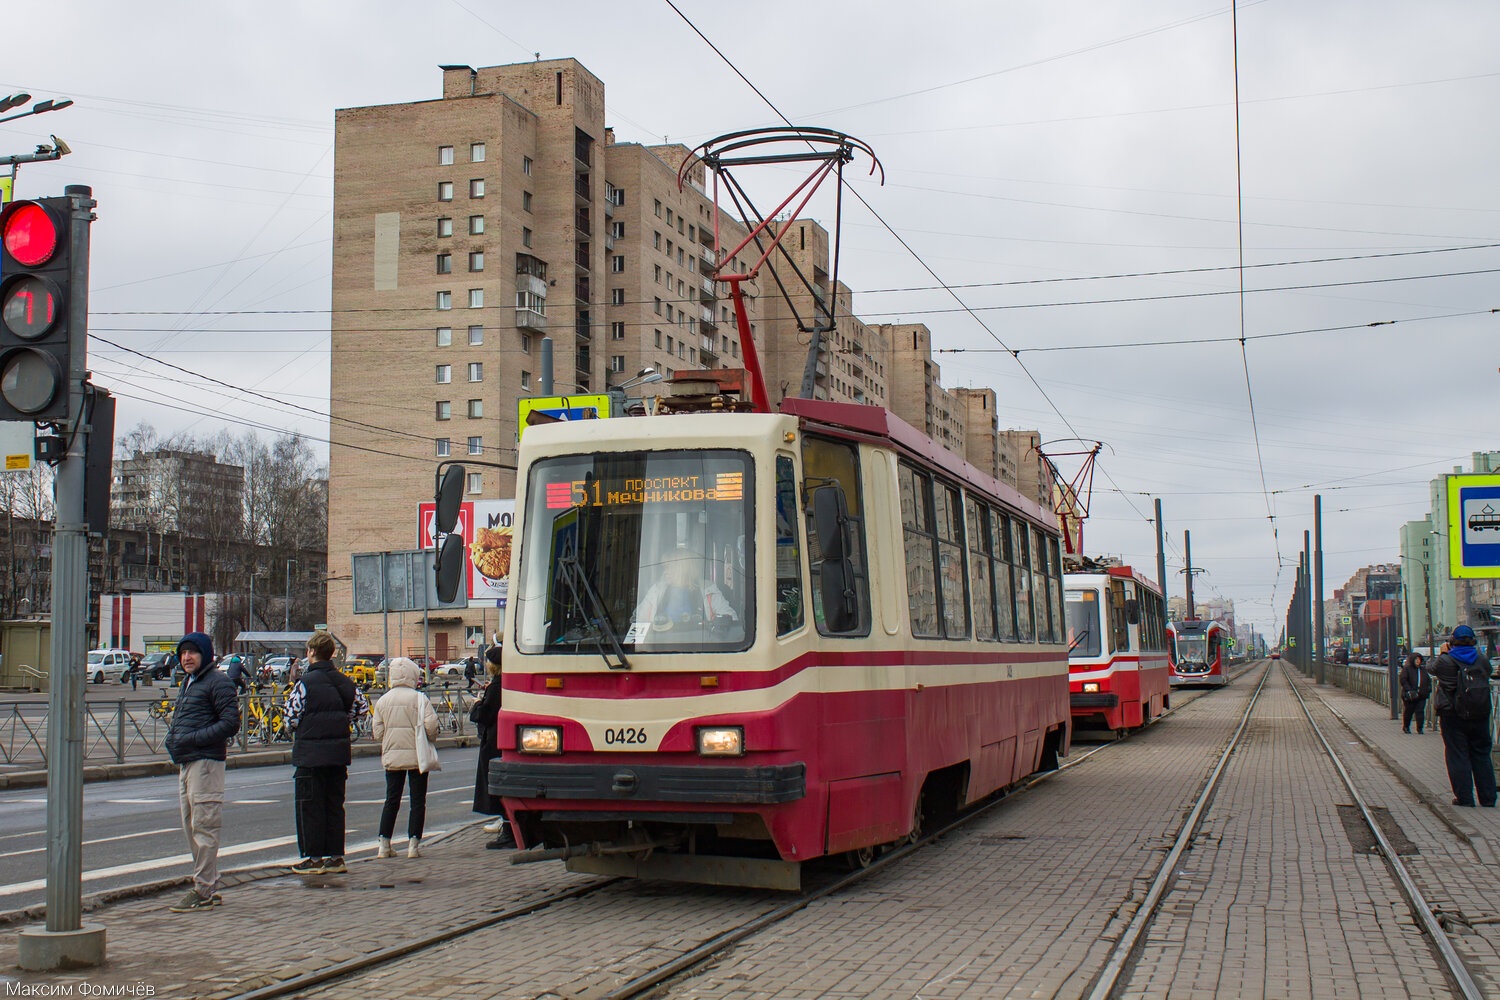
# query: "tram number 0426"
{"points": [[628, 735]]}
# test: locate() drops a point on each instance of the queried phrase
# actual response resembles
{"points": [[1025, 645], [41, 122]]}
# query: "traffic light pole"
{"points": [[67, 942]]}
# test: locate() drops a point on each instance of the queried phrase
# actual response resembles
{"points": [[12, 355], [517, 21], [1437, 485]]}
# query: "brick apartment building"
{"points": [[468, 228]]}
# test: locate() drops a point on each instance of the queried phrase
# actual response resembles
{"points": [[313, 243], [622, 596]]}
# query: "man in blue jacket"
{"points": [[206, 718], [1466, 742]]}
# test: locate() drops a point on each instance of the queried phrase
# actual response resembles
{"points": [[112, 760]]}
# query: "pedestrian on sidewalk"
{"points": [[320, 709], [471, 670], [206, 717], [1466, 741], [398, 714], [1416, 687], [486, 718]]}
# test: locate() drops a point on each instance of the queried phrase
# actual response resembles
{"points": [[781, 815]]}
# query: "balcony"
{"points": [[582, 223], [530, 319], [532, 266], [609, 241], [581, 326], [611, 199], [707, 322], [583, 147], [706, 290], [581, 288], [581, 188], [581, 256], [708, 256], [582, 363]]}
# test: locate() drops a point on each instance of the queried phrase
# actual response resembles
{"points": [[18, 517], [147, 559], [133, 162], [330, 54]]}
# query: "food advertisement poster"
{"points": [[484, 526]]}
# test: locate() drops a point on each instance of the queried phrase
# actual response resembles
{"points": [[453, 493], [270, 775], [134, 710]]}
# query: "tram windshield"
{"points": [[1192, 649], [1083, 624], [640, 551]]}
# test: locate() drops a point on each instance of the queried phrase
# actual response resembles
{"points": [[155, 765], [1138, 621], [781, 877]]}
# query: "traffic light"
{"points": [[36, 264]]}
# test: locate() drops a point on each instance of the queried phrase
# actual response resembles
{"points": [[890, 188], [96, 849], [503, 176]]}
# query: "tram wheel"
{"points": [[917, 819], [859, 859]]}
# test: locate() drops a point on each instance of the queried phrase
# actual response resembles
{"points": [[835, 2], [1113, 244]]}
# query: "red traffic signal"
{"points": [[35, 277]]}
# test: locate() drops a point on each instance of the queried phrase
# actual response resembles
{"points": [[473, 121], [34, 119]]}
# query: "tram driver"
{"points": [[683, 595]]}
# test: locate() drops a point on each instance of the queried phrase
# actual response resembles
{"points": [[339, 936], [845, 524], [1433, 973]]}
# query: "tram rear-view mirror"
{"points": [[450, 497], [450, 568]]}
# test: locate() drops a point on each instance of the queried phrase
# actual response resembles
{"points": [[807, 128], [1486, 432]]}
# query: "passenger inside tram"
{"points": [[683, 595]]}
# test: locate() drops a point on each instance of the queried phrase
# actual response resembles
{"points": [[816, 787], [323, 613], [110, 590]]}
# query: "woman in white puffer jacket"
{"points": [[397, 715]]}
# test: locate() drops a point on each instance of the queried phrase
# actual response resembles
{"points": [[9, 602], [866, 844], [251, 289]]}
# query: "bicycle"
{"points": [[161, 710], [269, 719]]}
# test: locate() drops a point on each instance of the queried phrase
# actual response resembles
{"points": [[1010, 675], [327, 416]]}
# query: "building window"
{"points": [[617, 330], [445, 227], [445, 156], [476, 336], [658, 339], [671, 344], [669, 248], [444, 374], [476, 371], [445, 300], [476, 260], [657, 207], [656, 241], [444, 449], [476, 482], [476, 225], [656, 270], [476, 152], [525, 237], [476, 445], [669, 217], [525, 343], [444, 410], [476, 298], [526, 165], [444, 336], [526, 299], [526, 200], [445, 263], [445, 190], [617, 230], [617, 296], [526, 380], [476, 188], [617, 263], [658, 305], [617, 362], [476, 409]]}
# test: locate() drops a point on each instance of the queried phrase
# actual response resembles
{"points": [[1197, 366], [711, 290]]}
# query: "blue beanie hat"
{"points": [[1463, 635]]}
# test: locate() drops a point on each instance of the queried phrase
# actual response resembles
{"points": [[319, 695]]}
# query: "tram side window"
{"points": [[788, 553], [916, 531], [980, 558], [1055, 582], [834, 463], [1119, 628], [1046, 594], [1005, 605], [1025, 628], [948, 518], [1153, 624]]}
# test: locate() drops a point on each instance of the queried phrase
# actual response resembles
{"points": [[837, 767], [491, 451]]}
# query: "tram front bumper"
{"points": [[648, 783], [1105, 699]]}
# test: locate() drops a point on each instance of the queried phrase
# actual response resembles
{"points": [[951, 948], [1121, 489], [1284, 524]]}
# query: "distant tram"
{"points": [[1199, 652], [737, 642], [1117, 649]]}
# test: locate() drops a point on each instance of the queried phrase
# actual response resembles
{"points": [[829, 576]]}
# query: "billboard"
{"points": [[484, 525], [1474, 526]]}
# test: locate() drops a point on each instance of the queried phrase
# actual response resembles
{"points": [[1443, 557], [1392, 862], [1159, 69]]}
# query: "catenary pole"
{"points": [[1318, 586]]}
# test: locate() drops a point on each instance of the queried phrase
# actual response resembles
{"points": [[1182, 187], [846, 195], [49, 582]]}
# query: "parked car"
{"points": [[108, 665], [156, 666], [276, 668]]}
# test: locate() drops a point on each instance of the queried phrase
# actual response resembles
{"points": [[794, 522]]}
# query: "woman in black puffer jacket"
{"points": [[1416, 688], [485, 716]]}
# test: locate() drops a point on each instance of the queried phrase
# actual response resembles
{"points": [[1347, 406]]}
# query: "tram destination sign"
{"points": [[1474, 526], [636, 491]]}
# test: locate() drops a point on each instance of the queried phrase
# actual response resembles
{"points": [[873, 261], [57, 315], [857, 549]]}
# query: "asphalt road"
{"points": [[132, 832]]}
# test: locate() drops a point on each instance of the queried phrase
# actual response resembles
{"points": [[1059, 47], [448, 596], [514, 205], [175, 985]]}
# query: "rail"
{"points": [[124, 729]]}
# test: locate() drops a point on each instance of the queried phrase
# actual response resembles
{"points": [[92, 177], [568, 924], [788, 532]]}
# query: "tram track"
{"points": [[1115, 974], [643, 982]]}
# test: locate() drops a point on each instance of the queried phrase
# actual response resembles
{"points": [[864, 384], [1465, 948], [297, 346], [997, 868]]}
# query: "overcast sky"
{"points": [[1042, 153]]}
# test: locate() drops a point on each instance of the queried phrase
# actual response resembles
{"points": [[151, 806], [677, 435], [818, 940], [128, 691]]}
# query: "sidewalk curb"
{"points": [[254, 873], [152, 768]]}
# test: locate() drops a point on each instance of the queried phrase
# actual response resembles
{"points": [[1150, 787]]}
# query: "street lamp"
{"points": [[617, 396], [39, 108], [286, 625]]}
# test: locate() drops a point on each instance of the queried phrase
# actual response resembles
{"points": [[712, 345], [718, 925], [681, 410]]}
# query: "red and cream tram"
{"points": [[738, 641], [1117, 652], [1200, 652]]}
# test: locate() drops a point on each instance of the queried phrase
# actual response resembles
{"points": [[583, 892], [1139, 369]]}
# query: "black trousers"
{"points": [[1413, 710], [394, 780], [318, 793], [1471, 770]]}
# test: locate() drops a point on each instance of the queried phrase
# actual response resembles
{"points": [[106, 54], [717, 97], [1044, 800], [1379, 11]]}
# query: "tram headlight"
{"points": [[1090, 687], [721, 741], [539, 739]]}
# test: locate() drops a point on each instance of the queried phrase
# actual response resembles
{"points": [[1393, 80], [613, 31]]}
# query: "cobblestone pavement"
{"points": [[1275, 900]]}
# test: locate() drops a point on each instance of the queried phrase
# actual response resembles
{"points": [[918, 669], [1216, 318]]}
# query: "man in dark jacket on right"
{"points": [[1466, 742]]}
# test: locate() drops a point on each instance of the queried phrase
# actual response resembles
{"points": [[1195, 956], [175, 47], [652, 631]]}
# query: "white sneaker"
{"points": [[414, 847], [494, 827], [384, 850]]}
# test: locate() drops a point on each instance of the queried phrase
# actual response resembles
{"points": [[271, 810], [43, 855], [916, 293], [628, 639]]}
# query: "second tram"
{"points": [[1199, 651], [1117, 652]]}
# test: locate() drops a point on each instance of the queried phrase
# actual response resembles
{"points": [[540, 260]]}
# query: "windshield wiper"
{"points": [[1074, 644], [585, 595]]}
